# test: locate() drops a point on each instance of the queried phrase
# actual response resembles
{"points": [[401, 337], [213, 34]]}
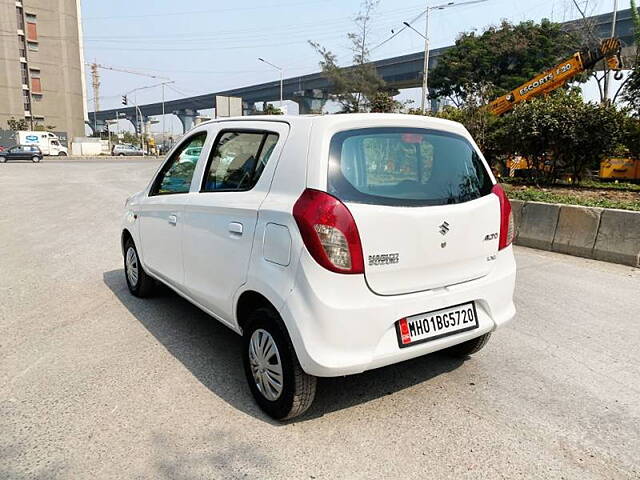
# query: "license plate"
{"points": [[436, 324]]}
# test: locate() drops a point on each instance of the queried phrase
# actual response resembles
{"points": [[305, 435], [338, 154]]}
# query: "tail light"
{"points": [[329, 232], [506, 218]]}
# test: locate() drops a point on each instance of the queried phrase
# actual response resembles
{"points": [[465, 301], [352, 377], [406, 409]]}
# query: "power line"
{"points": [[200, 12]]}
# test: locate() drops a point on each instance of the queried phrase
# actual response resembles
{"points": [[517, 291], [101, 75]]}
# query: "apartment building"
{"points": [[42, 65]]}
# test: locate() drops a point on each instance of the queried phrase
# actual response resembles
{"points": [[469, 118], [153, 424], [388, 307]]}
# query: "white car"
{"points": [[333, 244]]}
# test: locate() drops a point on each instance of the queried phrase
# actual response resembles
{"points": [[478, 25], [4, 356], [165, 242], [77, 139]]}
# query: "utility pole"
{"points": [[281, 78], [163, 130], [95, 82], [425, 67], [96, 87]]}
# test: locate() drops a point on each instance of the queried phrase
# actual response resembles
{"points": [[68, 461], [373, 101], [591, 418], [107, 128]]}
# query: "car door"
{"points": [[220, 219], [161, 213]]}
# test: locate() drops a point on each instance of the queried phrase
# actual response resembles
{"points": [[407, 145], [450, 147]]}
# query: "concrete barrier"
{"points": [[599, 233], [538, 225], [577, 230], [516, 208], [618, 237]]}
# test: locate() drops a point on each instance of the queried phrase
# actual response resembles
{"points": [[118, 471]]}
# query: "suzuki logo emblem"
{"points": [[444, 228]]}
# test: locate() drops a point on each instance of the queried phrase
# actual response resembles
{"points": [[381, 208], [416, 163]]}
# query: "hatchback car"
{"points": [[21, 152], [125, 149], [333, 244]]}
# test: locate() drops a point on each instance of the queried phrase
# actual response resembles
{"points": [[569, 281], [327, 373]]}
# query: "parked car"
{"points": [[125, 149], [21, 152], [333, 244]]}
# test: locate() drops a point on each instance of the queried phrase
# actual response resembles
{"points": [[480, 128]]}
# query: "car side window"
{"points": [[177, 172], [237, 160]]}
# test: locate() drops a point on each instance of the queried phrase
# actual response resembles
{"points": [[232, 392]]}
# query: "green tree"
{"points": [[383, 102], [354, 87], [270, 109], [562, 134], [488, 65], [17, 124], [631, 89], [632, 137]]}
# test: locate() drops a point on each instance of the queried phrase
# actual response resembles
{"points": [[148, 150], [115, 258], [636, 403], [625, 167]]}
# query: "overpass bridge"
{"points": [[311, 91]]}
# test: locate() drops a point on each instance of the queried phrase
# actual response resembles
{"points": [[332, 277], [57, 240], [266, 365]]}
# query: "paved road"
{"points": [[97, 384]]}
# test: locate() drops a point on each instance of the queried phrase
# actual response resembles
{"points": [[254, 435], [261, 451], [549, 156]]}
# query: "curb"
{"points": [[598, 233]]}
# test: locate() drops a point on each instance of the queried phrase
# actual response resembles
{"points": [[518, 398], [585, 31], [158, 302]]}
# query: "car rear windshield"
{"points": [[405, 167]]}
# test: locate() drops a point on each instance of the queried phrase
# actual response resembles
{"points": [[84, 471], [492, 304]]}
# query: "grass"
{"points": [[631, 187], [534, 194]]}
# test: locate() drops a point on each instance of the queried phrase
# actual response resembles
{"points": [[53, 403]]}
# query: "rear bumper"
{"points": [[339, 326]]}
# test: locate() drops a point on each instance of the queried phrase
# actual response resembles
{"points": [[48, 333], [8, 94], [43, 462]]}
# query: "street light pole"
{"points": [[163, 130], [281, 78], [425, 68]]}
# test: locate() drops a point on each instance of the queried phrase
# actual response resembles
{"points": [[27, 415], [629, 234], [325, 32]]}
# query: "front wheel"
{"points": [[279, 385], [62, 154], [469, 347], [35, 159], [140, 284], [3, 159]]}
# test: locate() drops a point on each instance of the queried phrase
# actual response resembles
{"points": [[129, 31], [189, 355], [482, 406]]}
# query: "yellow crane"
{"points": [[608, 50]]}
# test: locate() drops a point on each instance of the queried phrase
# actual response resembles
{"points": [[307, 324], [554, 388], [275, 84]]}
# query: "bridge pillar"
{"points": [[187, 117], [96, 126], [310, 101]]}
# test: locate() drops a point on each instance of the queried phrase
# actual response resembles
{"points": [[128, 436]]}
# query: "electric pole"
{"points": [[95, 82]]}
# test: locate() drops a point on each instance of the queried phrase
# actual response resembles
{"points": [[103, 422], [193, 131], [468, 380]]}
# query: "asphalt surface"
{"points": [[95, 383]]}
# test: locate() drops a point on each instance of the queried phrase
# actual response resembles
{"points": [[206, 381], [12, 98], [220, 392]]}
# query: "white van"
{"points": [[334, 244], [48, 142]]}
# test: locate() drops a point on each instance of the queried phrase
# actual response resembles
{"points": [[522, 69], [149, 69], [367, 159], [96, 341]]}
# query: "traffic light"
{"points": [[124, 100]]}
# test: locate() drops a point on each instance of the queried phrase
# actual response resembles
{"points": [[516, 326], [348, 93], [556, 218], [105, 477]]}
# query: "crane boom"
{"points": [[555, 77]]}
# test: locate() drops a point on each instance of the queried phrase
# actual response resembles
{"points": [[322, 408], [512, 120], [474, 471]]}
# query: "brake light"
{"points": [[507, 229], [329, 232]]}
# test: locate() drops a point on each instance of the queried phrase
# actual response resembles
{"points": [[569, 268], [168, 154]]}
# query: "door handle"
{"points": [[235, 227], [173, 219]]}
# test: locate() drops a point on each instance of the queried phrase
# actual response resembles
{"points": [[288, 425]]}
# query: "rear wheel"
{"points": [[140, 284], [276, 379], [36, 159], [469, 347], [3, 159]]}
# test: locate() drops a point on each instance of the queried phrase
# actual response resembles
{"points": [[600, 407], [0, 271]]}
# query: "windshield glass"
{"points": [[405, 166]]}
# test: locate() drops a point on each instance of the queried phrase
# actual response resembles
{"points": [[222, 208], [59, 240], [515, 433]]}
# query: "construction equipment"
{"points": [[609, 51], [548, 81], [95, 79]]}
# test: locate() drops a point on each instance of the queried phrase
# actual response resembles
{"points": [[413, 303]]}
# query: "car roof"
{"points": [[354, 120]]}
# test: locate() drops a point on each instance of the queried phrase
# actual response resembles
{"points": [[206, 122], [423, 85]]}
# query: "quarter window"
{"points": [[176, 175], [237, 160]]}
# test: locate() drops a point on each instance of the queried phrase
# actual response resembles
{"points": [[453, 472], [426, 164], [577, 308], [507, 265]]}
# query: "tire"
{"points": [[469, 347], [121, 154], [3, 159], [62, 154], [298, 389], [140, 284], [36, 159]]}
